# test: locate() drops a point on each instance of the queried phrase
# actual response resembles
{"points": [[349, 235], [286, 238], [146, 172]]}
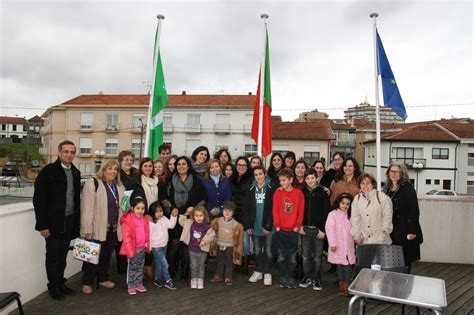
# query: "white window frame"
{"points": [[86, 120], [85, 168], [135, 147], [112, 121], [136, 123], [111, 146], [250, 149], [85, 145]]}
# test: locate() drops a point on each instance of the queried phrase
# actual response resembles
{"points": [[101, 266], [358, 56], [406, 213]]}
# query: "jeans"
{"points": [[161, 264], [287, 248], [246, 244], [196, 261], [312, 251], [344, 273], [135, 269], [100, 270], [263, 253]]}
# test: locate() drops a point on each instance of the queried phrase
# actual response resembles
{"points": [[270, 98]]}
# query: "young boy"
{"points": [[229, 245], [316, 210], [288, 210]]}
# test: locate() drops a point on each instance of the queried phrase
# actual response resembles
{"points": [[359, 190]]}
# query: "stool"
{"points": [[7, 297]]}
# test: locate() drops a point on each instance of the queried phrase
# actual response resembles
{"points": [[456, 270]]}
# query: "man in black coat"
{"points": [[57, 204]]}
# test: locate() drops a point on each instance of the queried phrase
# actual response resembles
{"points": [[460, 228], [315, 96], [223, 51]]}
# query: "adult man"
{"points": [[165, 151], [57, 201]]}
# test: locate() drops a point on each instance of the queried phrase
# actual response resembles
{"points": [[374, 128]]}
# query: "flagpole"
{"points": [[152, 90], [377, 106], [262, 87]]}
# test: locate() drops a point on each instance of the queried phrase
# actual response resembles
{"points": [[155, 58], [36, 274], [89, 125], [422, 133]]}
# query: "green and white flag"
{"points": [[158, 101]]}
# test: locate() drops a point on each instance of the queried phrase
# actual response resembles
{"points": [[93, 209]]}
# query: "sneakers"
{"points": [[141, 289], [159, 283], [267, 279], [107, 284], [86, 289], [200, 283], [306, 282], [170, 285], [216, 278], [132, 291], [228, 281], [283, 283], [255, 277], [194, 283], [291, 284], [317, 286]]}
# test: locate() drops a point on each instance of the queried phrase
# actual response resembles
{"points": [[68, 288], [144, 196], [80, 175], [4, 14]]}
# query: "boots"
{"points": [[343, 288], [245, 266], [148, 273]]}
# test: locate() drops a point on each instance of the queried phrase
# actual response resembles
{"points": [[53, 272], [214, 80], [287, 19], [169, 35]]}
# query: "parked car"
{"points": [[10, 169], [442, 192]]}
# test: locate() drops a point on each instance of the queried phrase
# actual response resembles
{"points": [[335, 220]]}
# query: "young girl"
{"points": [[341, 244], [159, 226], [136, 240], [198, 235]]}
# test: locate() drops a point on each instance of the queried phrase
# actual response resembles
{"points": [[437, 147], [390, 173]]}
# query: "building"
{"points": [[438, 155], [14, 128], [345, 137], [312, 115], [108, 124], [366, 111], [309, 140]]}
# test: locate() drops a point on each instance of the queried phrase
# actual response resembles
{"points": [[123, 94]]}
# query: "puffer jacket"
{"points": [[338, 233], [127, 221]]}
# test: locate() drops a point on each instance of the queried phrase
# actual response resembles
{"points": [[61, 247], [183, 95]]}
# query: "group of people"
{"points": [[172, 215]]}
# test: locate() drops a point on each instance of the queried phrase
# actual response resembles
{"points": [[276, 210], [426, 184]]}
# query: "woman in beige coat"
{"points": [[371, 216], [100, 213], [345, 180]]}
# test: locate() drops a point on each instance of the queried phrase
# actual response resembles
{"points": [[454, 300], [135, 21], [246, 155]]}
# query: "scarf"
{"points": [[368, 196], [181, 189], [150, 187]]}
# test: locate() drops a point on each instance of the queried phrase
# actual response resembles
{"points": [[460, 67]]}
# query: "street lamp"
{"points": [[99, 156], [142, 128], [417, 166]]}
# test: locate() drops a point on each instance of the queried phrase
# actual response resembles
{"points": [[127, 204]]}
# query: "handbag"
{"points": [[86, 250]]}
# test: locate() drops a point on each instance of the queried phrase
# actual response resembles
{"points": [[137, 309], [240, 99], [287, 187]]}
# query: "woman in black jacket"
{"points": [[240, 184], [186, 191], [406, 213], [258, 223]]}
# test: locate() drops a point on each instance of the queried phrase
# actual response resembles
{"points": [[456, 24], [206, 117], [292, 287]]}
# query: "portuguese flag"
{"points": [[266, 121]]}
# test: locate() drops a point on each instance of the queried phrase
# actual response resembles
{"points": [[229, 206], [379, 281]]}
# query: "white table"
{"points": [[398, 288]]}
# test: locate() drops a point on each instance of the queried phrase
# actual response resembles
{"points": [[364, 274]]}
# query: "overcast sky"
{"points": [[321, 52]]}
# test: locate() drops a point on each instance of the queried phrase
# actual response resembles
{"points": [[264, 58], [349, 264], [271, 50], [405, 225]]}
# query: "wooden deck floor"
{"points": [[246, 298]]}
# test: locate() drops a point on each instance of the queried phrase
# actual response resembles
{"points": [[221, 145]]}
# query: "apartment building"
{"points": [[13, 127], [103, 125]]}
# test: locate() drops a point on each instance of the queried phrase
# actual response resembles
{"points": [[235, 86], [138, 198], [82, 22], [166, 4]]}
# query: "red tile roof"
{"points": [[174, 100], [461, 130], [429, 132], [35, 118], [319, 129], [12, 120]]}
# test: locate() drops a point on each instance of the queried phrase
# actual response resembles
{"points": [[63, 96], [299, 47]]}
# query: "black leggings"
{"points": [[177, 255]]}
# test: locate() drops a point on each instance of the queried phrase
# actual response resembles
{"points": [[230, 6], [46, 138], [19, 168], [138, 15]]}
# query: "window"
{"points": [[222, 118], [428, 182], [405, 155], [111, 146], [14, 127], [250, 149], [311, 153], [85, 145], [194, 119], [470, 182], [24, 127], [440, 154], [222, 142], [85, 168], [280, 148], [86, 120], [112, 121], [136, 147], [436, 181], [4, 126], [470, 155], [136, 123]]}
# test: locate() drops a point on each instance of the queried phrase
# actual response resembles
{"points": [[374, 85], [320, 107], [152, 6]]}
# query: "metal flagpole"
{"points": [[377, 109], [152, 90], [262, 87]]}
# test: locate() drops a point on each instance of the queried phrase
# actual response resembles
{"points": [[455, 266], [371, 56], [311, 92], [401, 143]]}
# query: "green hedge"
{"points": [[19, 151]]}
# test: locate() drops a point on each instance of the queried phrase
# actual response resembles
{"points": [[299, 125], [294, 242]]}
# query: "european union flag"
{"points": [[391, 94]]}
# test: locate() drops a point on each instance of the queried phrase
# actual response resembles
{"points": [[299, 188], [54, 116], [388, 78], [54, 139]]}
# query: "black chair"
{"points": [[8, 297], [389, 257]]}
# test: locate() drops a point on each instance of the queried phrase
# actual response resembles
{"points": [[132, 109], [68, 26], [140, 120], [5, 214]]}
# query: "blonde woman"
{"points": [[100, 213]]}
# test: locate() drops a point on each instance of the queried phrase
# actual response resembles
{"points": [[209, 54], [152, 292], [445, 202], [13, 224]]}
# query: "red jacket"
{"points": [[288, 209], [129, 236]]}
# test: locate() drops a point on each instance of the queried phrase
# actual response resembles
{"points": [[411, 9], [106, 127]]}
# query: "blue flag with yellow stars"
{"points": [[391, 94]]}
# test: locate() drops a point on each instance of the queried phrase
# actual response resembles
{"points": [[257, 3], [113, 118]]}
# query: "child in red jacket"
{"points": [[288, 211], [136, 240]]}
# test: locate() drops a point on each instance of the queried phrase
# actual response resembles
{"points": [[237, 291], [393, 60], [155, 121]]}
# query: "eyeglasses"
{"points": [[394, 171]]}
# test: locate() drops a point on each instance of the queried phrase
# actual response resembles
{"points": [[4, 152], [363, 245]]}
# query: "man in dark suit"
{"points": [[57, 205]]}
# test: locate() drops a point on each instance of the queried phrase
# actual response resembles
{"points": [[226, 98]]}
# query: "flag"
{"points": [[158, 103], [267, 106], [391, 94]]}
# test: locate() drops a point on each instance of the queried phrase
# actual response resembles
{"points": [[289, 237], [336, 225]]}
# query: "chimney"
{"points": [[250, 93], [101, 93], [183, 93]]}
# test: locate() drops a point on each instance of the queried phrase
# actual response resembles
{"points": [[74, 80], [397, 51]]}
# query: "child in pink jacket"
{"points": [[135, 241], [341, 244]]}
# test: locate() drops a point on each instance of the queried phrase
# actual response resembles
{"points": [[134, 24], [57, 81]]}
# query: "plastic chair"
{"points": [[8, 297], [389, 257]]}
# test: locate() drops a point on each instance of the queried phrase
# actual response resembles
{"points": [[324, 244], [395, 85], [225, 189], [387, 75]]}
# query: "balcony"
{"points": [[409, 162], [168, 128], [222, 128], [85, 128], [112, 128], [192, 128]]}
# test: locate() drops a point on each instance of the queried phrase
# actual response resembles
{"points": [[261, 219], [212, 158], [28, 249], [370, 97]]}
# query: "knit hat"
{"points": [[229, 205]]}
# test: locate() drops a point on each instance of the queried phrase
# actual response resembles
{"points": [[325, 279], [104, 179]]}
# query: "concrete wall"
{"points": [[447, 224], [23, 254]]}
